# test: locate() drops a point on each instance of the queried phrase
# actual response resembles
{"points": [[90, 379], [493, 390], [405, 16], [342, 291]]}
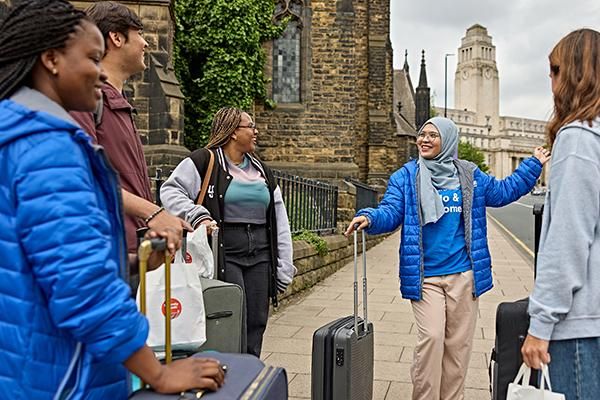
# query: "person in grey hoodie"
{"points": [[564, 330]]}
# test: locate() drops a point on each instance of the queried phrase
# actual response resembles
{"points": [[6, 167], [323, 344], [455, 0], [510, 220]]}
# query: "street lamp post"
{"points": [[446, 82]]}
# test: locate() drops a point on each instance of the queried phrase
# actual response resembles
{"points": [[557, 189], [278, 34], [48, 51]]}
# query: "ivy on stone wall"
{"points": [[219, 58]]}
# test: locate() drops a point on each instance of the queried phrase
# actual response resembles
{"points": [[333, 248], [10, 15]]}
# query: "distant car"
{"points": [[538, 191]]}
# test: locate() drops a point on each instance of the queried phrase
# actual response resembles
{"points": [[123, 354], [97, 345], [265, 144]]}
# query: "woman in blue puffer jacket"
{"points": [[68, 326], [445, 262]]}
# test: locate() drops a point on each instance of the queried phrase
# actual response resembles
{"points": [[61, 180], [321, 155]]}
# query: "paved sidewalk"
{"points": [[288, 340]]}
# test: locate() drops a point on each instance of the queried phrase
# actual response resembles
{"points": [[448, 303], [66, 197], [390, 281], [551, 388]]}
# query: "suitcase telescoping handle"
{"points": [[144, 251], [214, 237], [364, 281]]}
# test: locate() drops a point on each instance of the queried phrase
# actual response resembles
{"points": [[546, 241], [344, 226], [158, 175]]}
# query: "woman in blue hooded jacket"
{"points": [[68, 326], [445, 262]]}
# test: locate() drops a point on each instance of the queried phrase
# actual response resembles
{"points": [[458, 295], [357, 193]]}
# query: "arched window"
{"points": [[287, 53]]}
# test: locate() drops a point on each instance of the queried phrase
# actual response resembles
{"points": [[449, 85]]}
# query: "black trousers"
{"points": [[247, 263]]}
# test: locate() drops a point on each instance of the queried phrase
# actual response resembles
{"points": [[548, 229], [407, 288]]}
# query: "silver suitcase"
{"points": [[342, 351]]}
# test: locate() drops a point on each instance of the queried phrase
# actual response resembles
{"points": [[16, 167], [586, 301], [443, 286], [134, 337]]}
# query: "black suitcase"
{"points": [[512, 323], [247, 377], [342, 352]]}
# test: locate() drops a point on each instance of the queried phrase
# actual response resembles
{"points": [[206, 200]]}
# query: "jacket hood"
{"points": [[595, 128], [30, 108]]}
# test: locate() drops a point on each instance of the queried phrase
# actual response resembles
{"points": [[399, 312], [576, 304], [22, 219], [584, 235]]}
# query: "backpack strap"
{"points": [[206, 178]]}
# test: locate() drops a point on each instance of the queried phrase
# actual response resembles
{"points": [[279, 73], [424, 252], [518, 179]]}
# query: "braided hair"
{"points": [[224, 123], [29, 28]]}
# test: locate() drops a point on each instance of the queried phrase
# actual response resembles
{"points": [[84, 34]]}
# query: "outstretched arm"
{"points": [[500, 192]]}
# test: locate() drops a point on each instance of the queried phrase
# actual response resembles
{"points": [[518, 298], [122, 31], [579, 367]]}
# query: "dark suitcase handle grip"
{"points": [[159, 244], [220, 314]]}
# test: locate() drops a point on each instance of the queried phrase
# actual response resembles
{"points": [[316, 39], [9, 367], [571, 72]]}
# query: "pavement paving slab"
{"points": [[288, 339]]}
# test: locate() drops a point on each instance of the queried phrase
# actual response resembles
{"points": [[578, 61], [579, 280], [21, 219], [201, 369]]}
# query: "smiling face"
{"points": [[429, 142], [245, 134], [134, 49], [75, 71]]}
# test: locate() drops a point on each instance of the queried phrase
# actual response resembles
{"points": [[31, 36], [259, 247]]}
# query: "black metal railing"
{"points": [[366, 196], [158, 181], [311, 205]]}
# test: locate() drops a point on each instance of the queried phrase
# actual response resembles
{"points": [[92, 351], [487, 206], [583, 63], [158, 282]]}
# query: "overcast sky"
{"points": [[523, 31]]}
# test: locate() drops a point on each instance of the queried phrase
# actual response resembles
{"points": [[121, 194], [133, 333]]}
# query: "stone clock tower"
{"points": [[476, 85]]}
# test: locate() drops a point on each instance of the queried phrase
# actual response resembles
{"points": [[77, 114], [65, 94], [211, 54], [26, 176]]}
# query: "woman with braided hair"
{"points": [[243, 198], [68, 327]]}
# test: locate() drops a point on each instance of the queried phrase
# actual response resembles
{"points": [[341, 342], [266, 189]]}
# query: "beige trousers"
{"points": [[446, 318]]}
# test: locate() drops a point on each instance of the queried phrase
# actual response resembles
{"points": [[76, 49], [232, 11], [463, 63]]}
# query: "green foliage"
{"points": [[219, 59], [467, 151], [316, 241], [432, 111]]}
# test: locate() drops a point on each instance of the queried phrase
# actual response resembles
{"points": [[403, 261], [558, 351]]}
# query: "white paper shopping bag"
{"points": [[199, 253], [188, 321], [520, 389]]}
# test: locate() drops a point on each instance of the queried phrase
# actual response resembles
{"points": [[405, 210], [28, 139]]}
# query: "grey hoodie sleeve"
{"points": [[571, 215], [179, 192], [285, 261]]}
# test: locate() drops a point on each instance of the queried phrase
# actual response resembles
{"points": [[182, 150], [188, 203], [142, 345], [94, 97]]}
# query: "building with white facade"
{"points": [[505, 140]]}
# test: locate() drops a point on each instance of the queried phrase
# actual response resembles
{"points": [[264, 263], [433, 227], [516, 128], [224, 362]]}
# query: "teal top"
{"points": [[247, 197]]}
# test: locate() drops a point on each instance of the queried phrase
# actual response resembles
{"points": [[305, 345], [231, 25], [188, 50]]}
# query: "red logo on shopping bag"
{"points": [[188, 258], [175, 308]]}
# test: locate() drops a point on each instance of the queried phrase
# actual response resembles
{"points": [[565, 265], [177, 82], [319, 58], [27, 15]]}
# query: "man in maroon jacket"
{"points": [[113, 127]]}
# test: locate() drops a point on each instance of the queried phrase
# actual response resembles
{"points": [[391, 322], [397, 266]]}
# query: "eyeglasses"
{"points": [[431, 136], [250, 125]]}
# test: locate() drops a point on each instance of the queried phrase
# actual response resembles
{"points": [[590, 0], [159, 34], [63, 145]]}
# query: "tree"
{"points": [[467, 151], [219, 59], [432, 110]]}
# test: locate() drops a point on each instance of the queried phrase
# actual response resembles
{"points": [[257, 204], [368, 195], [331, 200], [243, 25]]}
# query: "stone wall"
{"points": [[313, 268], [155, 93]]}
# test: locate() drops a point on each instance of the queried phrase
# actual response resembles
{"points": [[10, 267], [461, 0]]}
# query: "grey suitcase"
{"points": [[342, 352], [224, 308]]}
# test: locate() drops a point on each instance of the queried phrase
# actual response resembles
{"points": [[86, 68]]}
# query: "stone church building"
{"points": [[330, 74]]}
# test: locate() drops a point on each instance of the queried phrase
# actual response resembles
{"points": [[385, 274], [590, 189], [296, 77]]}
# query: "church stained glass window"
{"points": [[287, 53]]}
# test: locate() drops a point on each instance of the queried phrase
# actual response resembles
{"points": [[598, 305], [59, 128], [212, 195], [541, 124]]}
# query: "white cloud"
{"points": [[523, 31]]}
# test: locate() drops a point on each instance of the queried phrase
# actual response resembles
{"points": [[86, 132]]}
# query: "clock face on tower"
{"points": [[465, 74], [487, 73]]}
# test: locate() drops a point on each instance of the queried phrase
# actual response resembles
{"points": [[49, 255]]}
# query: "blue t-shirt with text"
{"points": [[444, 247]]}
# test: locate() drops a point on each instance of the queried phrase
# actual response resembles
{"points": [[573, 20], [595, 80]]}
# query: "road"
{"points": [[518, 219]]}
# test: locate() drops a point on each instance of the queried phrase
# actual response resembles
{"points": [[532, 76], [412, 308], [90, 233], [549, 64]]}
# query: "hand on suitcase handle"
{"points": [[211, 226], [358, 223], [155, 253], [189, 374]]}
